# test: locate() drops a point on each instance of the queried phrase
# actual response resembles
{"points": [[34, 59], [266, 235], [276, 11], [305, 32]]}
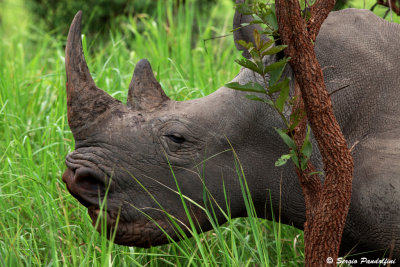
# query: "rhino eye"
{"points": [[176, 138]]}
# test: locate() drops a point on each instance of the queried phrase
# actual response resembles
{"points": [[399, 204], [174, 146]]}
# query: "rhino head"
{"points": [[146, 152]]}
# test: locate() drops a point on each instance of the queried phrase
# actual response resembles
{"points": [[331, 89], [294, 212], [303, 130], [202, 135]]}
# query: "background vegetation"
{"points": [[41, 223]]}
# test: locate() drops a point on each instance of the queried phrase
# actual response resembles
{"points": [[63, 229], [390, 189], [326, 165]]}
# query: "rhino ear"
{"points": [[145, 93], [243, 33]]}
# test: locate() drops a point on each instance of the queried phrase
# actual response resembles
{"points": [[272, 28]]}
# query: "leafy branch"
{"points": [[275, 88]]}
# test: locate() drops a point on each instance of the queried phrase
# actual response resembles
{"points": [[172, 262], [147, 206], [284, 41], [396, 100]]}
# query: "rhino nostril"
{"points": [[89, 180]]}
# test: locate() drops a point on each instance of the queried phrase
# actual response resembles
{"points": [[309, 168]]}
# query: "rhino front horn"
{"points": [[86, 103], [145, 93]]}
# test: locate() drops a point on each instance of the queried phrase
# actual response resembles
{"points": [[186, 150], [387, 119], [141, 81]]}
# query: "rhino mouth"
{"points": [[88, 187], [84, 187]]}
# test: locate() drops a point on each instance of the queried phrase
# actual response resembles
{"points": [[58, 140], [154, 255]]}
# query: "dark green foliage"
{"points": [[340, 4], [56, 15], [276, 88]]}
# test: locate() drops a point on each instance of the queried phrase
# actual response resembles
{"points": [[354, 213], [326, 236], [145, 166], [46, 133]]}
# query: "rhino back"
{"points": [[359, 54], [361, 51]]}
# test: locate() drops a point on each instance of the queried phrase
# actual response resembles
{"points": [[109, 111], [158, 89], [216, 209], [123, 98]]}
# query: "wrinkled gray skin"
{"points": [[126, 146]]}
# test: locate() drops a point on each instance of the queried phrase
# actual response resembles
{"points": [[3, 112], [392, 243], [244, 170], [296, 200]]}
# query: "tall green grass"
{"points": [[41, 223]]}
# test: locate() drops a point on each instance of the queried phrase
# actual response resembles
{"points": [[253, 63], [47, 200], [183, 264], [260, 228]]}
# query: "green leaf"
{"points": [[306, 150], [295, 158], [256, 21], [286, 138], [312, 173], [256, 57], [274, 50], [278, 86], [254, 97], [275, 70], [267, 44], [270, 18], [275, 66], [294, 122], [296, 116], [303, 164], [280, 102], [257, 38], [248, 87], [282, 160], [268, 32], [245, 44], [249, 65], [260, 64], [307, 14], [256, 17]]}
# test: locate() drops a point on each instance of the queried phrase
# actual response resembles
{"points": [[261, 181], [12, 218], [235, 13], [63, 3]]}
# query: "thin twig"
{"points": [[212, 38]]}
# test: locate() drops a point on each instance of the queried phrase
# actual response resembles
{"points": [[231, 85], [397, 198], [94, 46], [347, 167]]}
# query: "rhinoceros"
{"points": [[148, 153]]}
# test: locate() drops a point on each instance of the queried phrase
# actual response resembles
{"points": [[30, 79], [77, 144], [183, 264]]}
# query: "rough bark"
{"points": [[310, 184], [327, 205]]}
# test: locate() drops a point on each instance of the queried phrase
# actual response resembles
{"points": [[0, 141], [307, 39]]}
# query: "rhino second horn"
{"points": [[145, 93], [85, 101]]}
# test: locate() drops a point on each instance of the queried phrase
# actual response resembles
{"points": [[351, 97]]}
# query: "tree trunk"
{"points": [[326, 205]]}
